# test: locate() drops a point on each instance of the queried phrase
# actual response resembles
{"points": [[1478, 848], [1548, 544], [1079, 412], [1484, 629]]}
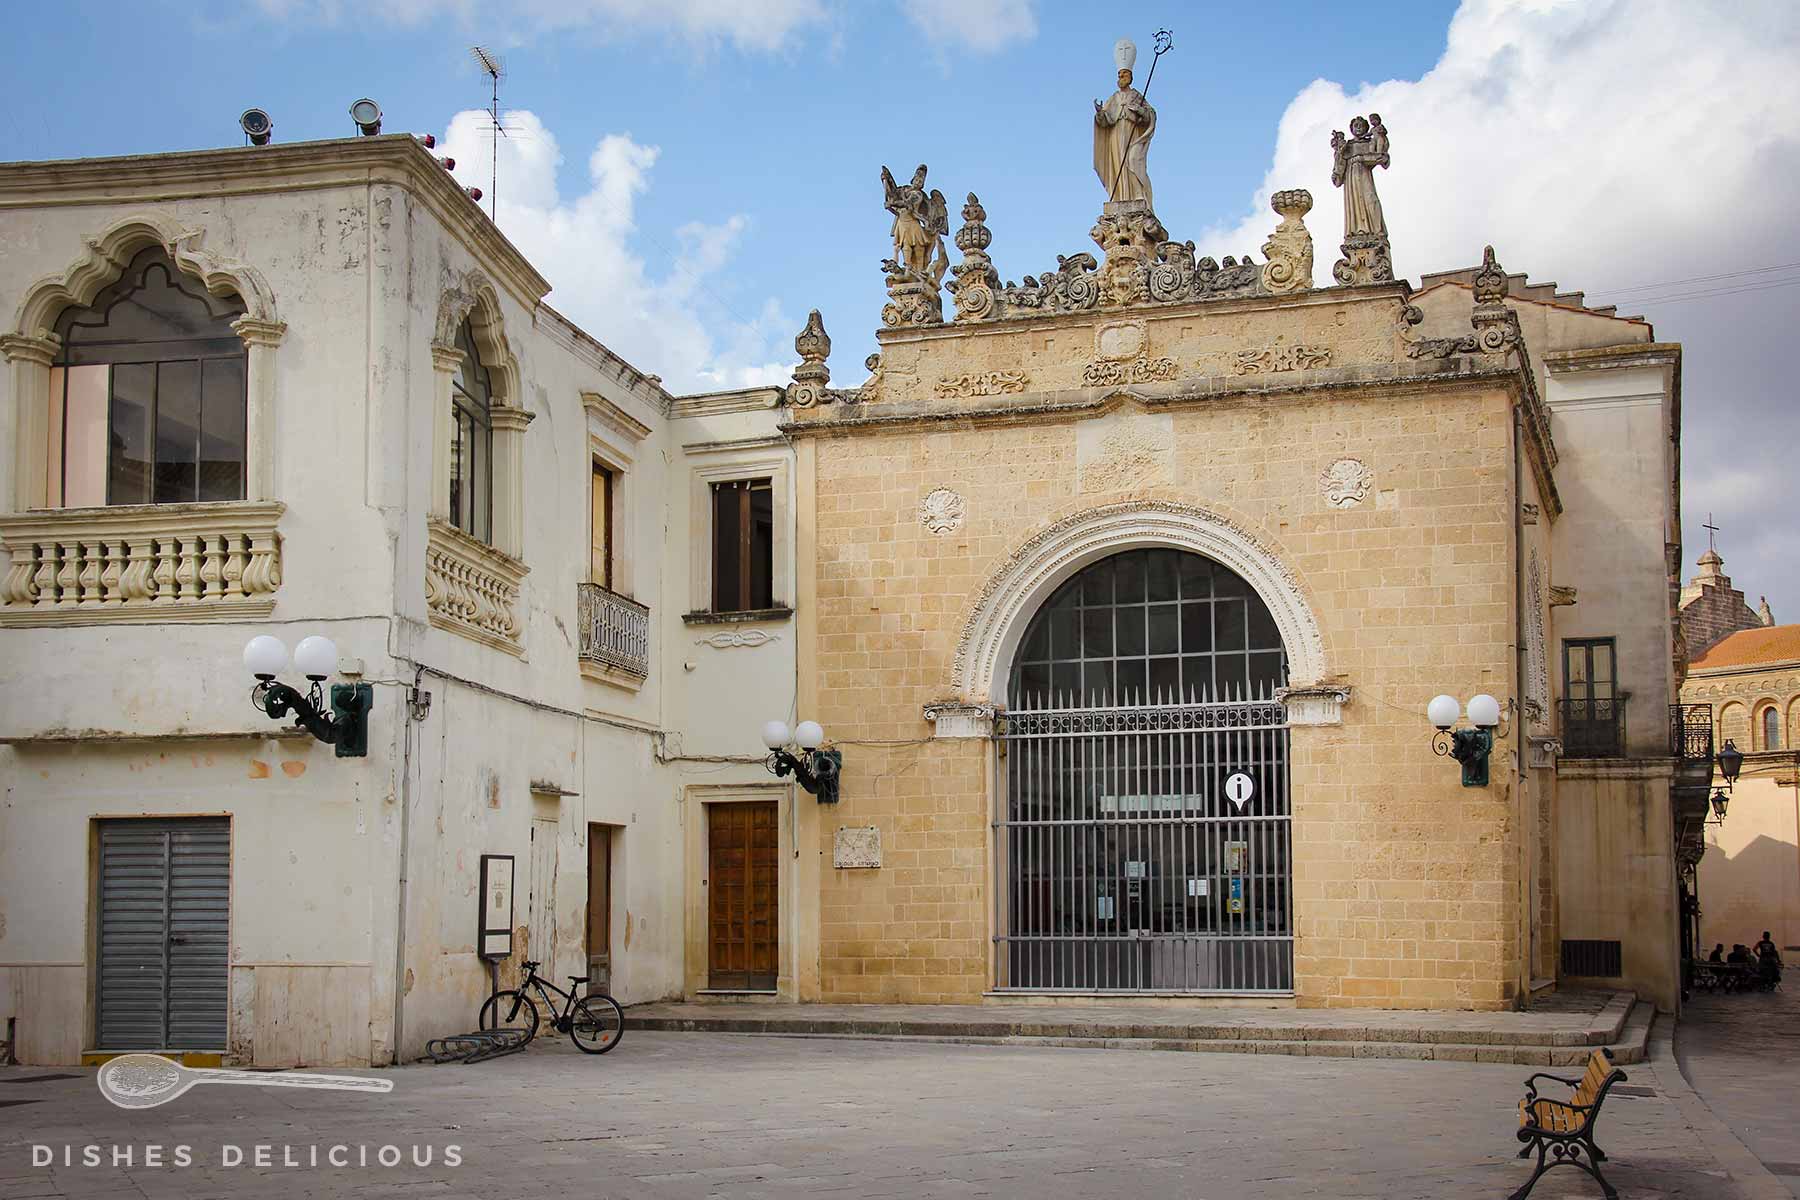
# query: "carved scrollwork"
{"points": [[1142, 370], [1280, 358], [1289, 249], [986, 383]]}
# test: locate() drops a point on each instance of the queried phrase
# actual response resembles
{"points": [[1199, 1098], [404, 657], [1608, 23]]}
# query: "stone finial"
{"points": [[812, 377], [1367, 257], [1496, 327], [814, 346], [1764, 613], [1490, 284], [1289, 249], [976, 283]]}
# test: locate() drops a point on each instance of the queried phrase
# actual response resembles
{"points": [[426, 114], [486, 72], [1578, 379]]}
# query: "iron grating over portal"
{"points": [[1146, 849]]}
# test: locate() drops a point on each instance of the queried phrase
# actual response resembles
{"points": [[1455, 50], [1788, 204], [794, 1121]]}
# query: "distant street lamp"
{"points": [[814, 769], [1470, 747], [1731, 761], [347, 725], [1719, 801]]}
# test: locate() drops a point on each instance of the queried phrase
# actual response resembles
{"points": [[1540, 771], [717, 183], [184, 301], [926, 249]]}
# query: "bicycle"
{"points": [[594, 1022]]}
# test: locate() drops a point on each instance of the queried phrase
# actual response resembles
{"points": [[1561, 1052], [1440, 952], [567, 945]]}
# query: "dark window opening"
{"points": [[743, 545]]}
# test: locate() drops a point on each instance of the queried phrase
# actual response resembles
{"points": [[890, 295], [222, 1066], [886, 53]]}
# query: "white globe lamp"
{"points": [[775, 734], [808, 735], [315, 657], [1442, 711], [1484, 711], [265, 656]]}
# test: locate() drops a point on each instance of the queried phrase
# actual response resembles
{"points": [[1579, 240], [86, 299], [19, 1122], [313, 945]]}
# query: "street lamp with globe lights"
{"points": [[1470, 747], [814, 769], [345, 725]]}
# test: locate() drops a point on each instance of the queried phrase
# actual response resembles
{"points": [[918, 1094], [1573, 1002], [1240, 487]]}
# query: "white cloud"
{"points": [[1604, 145], [748, 24], [668, 318], [979, 25]]}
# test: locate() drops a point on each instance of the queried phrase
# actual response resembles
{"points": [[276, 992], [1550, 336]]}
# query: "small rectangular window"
{"points": [[743, 545]]}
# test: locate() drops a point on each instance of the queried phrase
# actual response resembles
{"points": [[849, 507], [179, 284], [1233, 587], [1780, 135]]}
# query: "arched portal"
{"points": [[1143, 828]]}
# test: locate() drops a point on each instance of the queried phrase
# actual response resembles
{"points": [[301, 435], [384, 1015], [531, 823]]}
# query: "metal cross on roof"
{"points": [[1711, 529]]}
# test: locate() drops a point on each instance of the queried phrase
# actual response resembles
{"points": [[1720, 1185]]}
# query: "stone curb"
{"points": [[1615, 1025], [1753, 1180], [1629, 1049]]}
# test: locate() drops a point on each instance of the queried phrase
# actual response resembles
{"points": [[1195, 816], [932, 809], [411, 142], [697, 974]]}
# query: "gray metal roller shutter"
{"points": [[163, 947]]}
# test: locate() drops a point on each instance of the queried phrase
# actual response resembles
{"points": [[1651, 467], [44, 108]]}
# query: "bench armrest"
{"points": [[1531, 1084]]}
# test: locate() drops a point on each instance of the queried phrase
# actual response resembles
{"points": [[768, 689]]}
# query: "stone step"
{"points": [[1622, 1023]]}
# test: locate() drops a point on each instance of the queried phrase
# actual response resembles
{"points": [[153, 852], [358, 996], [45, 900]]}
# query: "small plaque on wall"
{"points": [[857, 846]]}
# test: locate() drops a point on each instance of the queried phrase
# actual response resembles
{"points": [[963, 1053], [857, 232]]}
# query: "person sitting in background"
{"points": [[1740, 953], [1718, 954]]}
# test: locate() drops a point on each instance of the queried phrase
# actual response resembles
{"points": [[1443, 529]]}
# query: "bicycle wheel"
{"points": [[596, 1023], [509, 1010]]}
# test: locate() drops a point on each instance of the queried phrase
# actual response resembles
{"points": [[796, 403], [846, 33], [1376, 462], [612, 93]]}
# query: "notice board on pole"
{"points": [[494, 938]]}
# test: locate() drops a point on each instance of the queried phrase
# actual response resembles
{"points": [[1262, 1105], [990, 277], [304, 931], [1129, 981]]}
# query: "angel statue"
{"points": [[1123, 127], [921, 219], [1353, 169]]}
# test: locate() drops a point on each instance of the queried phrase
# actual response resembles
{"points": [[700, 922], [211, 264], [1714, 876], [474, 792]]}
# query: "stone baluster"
{"points": [[166, 550], [212, 566]]}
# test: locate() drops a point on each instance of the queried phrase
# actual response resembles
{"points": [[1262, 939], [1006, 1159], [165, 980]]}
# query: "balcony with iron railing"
{"points": [[1691, 733], [1594, 727], [615, 632]]}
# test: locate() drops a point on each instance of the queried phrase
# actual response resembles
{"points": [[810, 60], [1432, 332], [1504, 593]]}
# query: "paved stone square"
{"points": [[1741, 1052], [673, 1116]]}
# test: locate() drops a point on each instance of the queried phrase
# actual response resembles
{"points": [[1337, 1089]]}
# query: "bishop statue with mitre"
{"points": [[1123, 127]]}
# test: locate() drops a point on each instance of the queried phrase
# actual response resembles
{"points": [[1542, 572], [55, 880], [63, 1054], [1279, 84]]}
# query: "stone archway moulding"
{"points": [[107, 256], [1028, 578]]}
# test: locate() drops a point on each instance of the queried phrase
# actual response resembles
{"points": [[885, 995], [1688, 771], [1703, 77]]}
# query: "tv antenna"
{"points": [[492, 66]]}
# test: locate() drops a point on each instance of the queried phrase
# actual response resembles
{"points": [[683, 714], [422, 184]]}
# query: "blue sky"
{"points": [[693, 175]]}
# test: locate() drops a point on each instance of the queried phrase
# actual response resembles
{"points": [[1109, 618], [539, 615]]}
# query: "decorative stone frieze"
{"points": [[987, 383], [141, 562], [954, 719], [1346, 483], [1289, 250], [472, 589], [735, 639], [1537, 646], [1559, 596], [1543, 751], [1263, 359], [1142, 370], [941, 511]]}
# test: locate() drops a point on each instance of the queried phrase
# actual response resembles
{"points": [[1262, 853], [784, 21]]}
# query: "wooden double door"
{"points": [[743, 896]]}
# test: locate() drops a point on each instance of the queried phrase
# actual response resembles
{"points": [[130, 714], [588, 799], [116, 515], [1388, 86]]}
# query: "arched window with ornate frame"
{"points": [[1769, 728], [147, 394], [476, 528], [141, 428]]}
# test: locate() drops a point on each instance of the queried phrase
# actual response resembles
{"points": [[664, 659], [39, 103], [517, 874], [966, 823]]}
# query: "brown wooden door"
{"points": [[599, 924], [743, 900]]}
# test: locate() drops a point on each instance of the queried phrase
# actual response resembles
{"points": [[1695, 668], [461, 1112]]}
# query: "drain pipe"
{"points": [[415, 712]]}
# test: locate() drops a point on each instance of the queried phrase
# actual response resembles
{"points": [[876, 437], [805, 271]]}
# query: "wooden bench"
{"points": [[1562, 1131]]}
